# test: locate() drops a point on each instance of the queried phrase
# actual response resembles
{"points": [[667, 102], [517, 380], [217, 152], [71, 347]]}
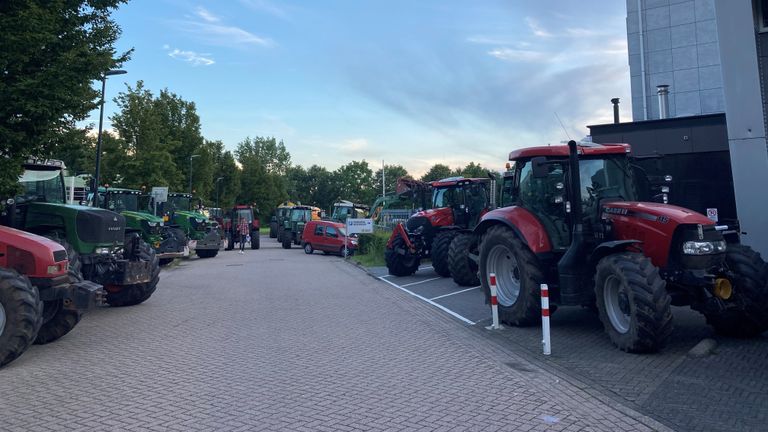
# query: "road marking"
{"points": [[439, 306], [455, 292], [421, 282]]}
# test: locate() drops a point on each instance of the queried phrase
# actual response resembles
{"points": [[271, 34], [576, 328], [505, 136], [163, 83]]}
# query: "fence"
{"points": [[390, 218]]}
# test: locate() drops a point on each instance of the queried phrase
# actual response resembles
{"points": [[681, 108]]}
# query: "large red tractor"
{"points": [[231, 220], [575, 224], [40, 300], [444, 231]]}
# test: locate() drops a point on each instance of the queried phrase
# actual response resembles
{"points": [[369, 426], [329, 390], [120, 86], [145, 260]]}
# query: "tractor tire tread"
{"points": [[23, 315]]}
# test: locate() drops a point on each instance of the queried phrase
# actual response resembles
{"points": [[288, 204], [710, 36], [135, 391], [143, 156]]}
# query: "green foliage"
{"points": [[354, 182], [472, 170], [265, 163], [437, 172], [371, 248], [50, 52], [392, 173]]}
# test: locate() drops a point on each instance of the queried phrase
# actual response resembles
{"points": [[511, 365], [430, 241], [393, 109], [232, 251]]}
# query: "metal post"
{"points": [[346, 238], [98, 144], [546, 342], [383, 180], [494, 303], [190, 173]]}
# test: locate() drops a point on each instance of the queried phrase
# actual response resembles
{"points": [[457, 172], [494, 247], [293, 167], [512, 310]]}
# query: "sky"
{"points": [[412, 83]]}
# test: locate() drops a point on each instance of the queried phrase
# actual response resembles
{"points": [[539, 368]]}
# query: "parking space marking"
{"points": [[455, 292], [422, 281], [439, 306]]}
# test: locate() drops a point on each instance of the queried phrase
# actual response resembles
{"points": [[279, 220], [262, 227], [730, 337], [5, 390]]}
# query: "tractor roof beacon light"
{"points": [[101, 123]]}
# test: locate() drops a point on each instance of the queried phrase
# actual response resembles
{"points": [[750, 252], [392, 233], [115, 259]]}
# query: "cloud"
{"points": [[510, 54], [207, 16], [536, 28], [220, 34], [266, 6], [354, 145], [196, 59]]}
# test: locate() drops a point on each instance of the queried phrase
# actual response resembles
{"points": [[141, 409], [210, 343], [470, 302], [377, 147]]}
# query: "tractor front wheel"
{"points": [[57, 321], [518, 276], [633, 302], [463, 268], [206, 253], [129, 295], [272, 230], [255, 240], [440, 247], [287, 240], [399, 264], [21, 314], [745, 311]]}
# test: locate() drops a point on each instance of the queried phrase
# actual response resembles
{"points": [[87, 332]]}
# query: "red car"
{"points": [[328, 237]]}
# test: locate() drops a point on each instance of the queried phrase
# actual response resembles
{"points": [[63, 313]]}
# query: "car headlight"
{"points": [[703, 247], [101, 250]]}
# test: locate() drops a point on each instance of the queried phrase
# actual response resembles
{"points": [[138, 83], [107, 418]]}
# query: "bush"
{"points": [[371, 249]]}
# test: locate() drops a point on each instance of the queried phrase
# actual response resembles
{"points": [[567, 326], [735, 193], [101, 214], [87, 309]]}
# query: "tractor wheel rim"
{"points": [[503, 263], [2, 319], [615, 305]]}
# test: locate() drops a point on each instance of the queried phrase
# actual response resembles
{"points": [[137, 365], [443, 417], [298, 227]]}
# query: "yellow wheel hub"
{"points": [[723, 288]]}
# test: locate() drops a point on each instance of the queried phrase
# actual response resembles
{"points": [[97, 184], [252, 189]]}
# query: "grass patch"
{"points": [[264, 230], [371, 249]]}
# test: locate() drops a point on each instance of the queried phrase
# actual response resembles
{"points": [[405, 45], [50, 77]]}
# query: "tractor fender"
{"points": [[610, 247], [524, 224]]}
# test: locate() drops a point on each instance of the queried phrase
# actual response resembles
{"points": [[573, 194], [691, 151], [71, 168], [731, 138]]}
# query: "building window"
{"points": [[762, 15]]}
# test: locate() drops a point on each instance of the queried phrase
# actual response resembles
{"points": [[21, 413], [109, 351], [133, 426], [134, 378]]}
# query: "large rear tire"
{"points": [[287, 241], [399, 264], [21, 315], [130, 295], [440, 246], [463, 269], [518, 276], [255, 240], [746, 311], [633, 302], [273, 230]]}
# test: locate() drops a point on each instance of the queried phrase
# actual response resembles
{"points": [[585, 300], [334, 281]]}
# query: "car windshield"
{"points": [[43, 186], [119, 202]]}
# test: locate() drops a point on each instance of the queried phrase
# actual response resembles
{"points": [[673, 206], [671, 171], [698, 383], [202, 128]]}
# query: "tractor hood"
{"points": [[30, 254], [656, 212], [190, 214], [437, 217], [142, 216]]}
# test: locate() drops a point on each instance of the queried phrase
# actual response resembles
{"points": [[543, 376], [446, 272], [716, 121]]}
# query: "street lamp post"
{"points": [[190, 171], [217, 190], [101, 123]]}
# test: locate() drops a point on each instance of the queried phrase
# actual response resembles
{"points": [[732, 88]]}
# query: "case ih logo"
{"points": [[616, 211]]}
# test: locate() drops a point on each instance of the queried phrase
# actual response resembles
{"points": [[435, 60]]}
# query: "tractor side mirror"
{"points": [[539, 167]]}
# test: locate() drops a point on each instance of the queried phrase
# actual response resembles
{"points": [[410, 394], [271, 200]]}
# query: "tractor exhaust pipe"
{"points": [[615, 102], [572, 267]]}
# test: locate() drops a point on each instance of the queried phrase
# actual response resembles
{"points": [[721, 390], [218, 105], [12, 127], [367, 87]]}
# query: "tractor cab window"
{"points": [[603, 179], [179, 203], [42, 186], [122, 202], [245, 214], [545, 198], [508, 195], [445, 197], [301, 216]]}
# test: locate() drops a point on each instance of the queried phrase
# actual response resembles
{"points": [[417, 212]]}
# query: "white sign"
{"points": [[359, 226], [712, 214], [160, 194]]}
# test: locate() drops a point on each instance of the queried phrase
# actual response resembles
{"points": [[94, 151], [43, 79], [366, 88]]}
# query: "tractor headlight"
{"points": [[53, 269], [153, 224], [703, 247], [102, 250]]}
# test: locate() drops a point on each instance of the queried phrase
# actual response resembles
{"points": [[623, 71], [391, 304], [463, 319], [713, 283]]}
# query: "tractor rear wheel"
{"points": [[746, 310], [287, 240], [230, 241], [273, 230], [400, 264], [255, 240], [518, 276], [129, 295], [206, 253], [57, 321], [633, 302], [21, 315], [440, 246], [463, 268]]}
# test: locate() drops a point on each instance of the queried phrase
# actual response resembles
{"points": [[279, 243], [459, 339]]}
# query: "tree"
{"points": [[472, 170], [354, 182], [437, 172], [392, 173], [265, 163], [50, 53]]}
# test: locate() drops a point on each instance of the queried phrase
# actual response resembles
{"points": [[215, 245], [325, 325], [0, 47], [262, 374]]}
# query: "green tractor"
{"points": [[98, 247], [169, 242], [294, 222], [346, 209], [203, 234], [277, 223]]}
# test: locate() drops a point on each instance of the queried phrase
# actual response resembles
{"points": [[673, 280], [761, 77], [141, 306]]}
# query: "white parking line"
{"points": [[443, 308], [455, 292], [421, 282]]}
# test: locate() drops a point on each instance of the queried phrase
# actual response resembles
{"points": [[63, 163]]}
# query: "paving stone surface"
{"points": [[280, 340]]}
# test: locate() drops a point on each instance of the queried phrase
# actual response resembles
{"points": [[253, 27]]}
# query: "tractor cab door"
{"points": [[476, 200], [544, 196]]}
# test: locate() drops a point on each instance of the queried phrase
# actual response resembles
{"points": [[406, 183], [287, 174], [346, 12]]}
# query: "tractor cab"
{"points": [[203, 235], [295, 221], [346, 209]]}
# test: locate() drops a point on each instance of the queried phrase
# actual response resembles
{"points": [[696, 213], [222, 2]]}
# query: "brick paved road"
{"points": [[724, 392], [278, 340]]}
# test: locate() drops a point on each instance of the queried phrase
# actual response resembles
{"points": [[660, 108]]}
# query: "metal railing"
{"points": [[392, 217]]}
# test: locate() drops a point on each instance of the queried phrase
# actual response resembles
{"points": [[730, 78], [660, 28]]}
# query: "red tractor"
{"points": [[444, 231], [230, 225], [40, 300], [575, 224]]}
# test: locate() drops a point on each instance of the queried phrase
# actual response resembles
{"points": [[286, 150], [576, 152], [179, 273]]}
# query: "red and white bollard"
{"points": [[545, 319], [494, 303]]}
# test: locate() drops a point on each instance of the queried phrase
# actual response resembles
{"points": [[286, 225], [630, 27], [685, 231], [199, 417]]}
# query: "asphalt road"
{"points": [[278, 340]]}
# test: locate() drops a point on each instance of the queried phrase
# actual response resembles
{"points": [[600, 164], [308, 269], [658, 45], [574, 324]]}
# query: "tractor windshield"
{"points": [[245, 214], [341, 212], [605, 178], [445, 197], [179, 202], [42, 186], [301, 215], [119, 202]]}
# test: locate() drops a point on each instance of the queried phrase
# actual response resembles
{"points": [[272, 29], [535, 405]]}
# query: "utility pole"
{"points": [[98, 141], [190, 171], [383, 180]]}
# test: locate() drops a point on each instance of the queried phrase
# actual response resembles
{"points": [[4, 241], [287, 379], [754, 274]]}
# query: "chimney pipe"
{"points": [[663, 91], [615, 102]]}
